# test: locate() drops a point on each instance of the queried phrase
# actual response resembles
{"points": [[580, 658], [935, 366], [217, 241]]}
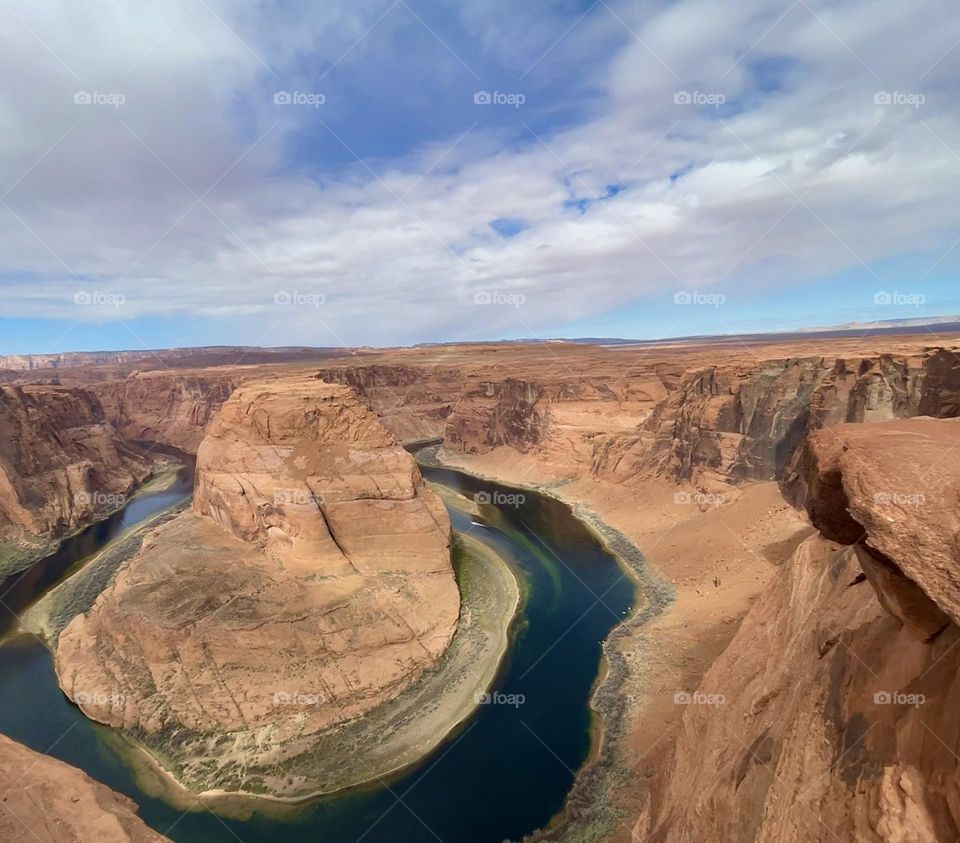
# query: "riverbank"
{"points": [[49, 616], [710, 565]]}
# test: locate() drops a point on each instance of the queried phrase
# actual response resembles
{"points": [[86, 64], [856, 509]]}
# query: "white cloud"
{"points": [[815, 177]]}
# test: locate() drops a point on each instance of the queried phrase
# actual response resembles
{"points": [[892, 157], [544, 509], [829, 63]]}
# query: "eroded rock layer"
{"points": [[168, 407], [310, 583], [832, 714], [748, 421], [61, 463], [47, 800]]}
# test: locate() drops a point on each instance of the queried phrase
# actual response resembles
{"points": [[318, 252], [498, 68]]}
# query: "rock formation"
{"points": [[47, 800], [749, 420], [61, 466], [832, 713], [311, 582], [413, 402], [167, 407]]}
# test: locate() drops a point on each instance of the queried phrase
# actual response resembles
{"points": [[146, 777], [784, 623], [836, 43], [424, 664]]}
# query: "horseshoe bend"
{"points": [[290, 599], [474, 421]]}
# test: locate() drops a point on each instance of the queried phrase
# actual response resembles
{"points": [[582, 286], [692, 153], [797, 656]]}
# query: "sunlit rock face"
{"points": [[832, 713], [310, 582]]}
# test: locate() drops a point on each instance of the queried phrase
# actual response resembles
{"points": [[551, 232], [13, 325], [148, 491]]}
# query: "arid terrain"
{"points": [[795, 498]]}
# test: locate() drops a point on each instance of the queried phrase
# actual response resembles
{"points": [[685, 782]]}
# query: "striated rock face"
{"points": [[47, 800], [413, 402], [168, 407], [510, 412], [832, 714], [61, 462], [748, 421], [311, 582], [580, 419]]}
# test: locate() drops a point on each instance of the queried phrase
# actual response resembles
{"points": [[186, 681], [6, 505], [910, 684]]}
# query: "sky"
{"points": [[387, 172]]}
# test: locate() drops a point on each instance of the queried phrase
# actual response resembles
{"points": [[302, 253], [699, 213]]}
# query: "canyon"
{"points": [[796, 498]]}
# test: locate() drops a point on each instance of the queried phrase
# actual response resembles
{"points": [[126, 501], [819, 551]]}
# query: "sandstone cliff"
{"points": [[311, 582], [832, 714], [61, 466], [167, 407], [47, 800], [413, 402], [749, 420]]}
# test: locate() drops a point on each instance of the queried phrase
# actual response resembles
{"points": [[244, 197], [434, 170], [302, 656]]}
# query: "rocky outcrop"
{"points": [[62, 465], [413, 402], [748, 421], [47, 800], [311, 582], [832, 714], [167, 407], [894, 493]]}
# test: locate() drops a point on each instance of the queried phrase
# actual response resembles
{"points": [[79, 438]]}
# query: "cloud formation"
{"points": [[718, 146]]}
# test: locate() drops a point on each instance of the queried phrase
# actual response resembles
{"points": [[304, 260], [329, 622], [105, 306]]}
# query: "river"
{"points": [[502, 775]]}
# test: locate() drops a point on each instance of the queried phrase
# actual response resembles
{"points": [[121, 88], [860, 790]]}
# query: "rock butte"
{"points": [[290, 599], [47, 800]]}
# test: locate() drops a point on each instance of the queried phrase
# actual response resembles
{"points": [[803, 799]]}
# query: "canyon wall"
{"points": [[413, 402], [564, 413], [61, 465], [167, 407], [310, 583], [49, 801], [832, 713], [747, 421]]}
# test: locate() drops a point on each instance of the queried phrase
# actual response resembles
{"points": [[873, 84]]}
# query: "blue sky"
{"points": [[385, 173]]}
